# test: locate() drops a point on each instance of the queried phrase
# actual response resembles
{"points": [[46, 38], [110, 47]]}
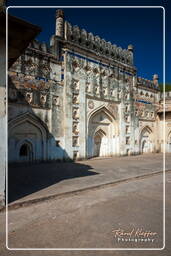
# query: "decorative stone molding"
{"points": [[136, 112], [75, 155], [29, 97], [88, 87], [152, 114], [75, 142], [45, 69], [75, 85], [43, 99], [99, 46], [141, 113], [119, 95], [97, 90], [127, 129], [127, 118], [113, 108], [127, 140], [75, 113], [87, 69], [147, 83], [75, 128], [105, 91], [90, 104], [30, 65], [56, 100], [75, 65], [75, 99]]}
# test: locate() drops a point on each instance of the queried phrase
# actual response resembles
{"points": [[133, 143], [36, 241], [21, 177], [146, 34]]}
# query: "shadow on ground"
{"points": [[26, 179]]}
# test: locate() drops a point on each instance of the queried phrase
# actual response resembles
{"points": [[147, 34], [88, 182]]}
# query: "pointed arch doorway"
{"points": [[102, 134], [146, 145], [100, 143], [27, 139]]}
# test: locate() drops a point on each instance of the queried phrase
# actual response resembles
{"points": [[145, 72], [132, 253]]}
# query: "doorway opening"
{"points": [[26, 152]]}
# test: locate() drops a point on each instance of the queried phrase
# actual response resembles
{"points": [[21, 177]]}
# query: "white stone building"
{"points": [[80, 98]]}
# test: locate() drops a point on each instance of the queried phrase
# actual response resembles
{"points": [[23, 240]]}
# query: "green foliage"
{"points": [[167, 87]]}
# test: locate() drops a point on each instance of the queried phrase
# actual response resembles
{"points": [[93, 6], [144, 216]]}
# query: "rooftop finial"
{"points": [[130, 47], [59, 13]]}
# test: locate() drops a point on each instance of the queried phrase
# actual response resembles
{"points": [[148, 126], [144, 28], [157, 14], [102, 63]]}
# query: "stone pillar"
{"points": [[60, 23], [82, 132], [68, 109], [122, 138]]}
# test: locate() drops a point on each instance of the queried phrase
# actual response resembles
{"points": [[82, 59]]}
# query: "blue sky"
{"points": [[142, 27]]}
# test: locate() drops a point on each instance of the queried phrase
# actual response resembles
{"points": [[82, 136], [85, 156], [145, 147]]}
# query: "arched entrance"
{"points": [[102, 135], [26, 152], [28, 139], [100, 143], [146, 145]]}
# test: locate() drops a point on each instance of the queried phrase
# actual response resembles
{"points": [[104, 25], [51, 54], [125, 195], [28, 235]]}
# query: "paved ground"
{"points": [[44, 180], [88, 219]]}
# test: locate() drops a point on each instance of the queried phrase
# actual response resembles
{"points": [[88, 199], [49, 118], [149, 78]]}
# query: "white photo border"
{"points": [[164, 160]]}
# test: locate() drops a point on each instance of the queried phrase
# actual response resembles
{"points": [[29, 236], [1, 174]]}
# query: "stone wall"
{"points": [[36, 87], [87, 95]]}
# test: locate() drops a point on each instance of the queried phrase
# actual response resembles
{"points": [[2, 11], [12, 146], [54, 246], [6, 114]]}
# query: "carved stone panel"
{"points": [[75, 113], [75, 99], [75, 85], [29, 97], [75, 128], [43, 99], [90, 104], [56, 100], [75, 141]]}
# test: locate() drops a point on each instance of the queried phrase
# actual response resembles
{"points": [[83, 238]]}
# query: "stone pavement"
{"points": [[28, 184]]}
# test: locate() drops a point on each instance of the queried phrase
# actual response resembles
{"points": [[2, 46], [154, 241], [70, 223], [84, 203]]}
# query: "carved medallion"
{"points": [[91, 104]]}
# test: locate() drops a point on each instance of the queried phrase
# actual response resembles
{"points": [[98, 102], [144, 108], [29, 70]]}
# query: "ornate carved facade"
{"points": [[80, 98]]}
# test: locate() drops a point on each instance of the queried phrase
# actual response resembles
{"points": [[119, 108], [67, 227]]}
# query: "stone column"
{"points": [[82, 105], [68, 109], [122, 148]]}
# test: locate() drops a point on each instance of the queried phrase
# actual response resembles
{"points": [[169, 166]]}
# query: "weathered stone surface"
{"points": [[86, 92]]}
